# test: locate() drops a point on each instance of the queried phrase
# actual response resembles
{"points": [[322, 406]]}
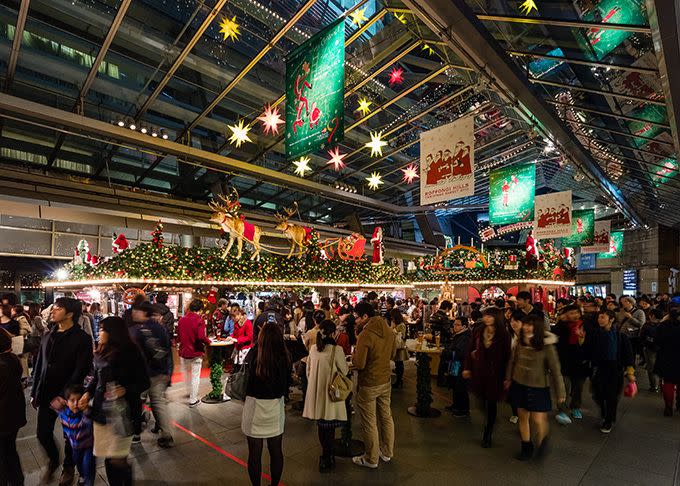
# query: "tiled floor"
{"points": [[642, 449]]}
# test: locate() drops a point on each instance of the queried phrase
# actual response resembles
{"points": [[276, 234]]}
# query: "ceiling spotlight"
{"points": [[154, 132], [132, 126], [120, 123], [144, 129], [164, 135]]}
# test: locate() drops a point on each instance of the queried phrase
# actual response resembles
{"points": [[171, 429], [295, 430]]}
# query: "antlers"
{"points": [[227, 204], [289, 212]]}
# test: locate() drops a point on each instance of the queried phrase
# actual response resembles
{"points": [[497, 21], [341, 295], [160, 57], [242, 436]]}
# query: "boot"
{"points": [[542, 449], [486, 439], [526, 452]]}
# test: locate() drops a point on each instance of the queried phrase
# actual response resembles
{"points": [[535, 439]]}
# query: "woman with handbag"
{"points": [[243, 334], [399, 327], [326, 392], [119, 379], [268, 370]]}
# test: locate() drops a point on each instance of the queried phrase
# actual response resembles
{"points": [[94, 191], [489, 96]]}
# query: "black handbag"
{"points": [[238, 383]]}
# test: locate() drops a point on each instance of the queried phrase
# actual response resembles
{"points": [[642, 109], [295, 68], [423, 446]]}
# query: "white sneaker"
{"points": [[361, 461], [385, 458], [194, 404], [514, 419], [226, 397]]}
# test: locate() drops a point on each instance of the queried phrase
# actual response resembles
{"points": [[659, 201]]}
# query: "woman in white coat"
{"points": [[325, 358]]}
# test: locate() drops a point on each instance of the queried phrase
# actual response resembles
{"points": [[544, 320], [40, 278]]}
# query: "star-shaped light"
{"points": [[229, 28], [401, 18], [527, 6], [364, 105], [336, 159], [375, 181], [396, 76], [271, 119], [410, 173], [302, 166], [359, 16], [239, 133], [426, 47], [376, 144]]}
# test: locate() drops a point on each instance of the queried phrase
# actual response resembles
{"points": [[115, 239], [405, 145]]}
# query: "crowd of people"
{"points": [[100, 376]]}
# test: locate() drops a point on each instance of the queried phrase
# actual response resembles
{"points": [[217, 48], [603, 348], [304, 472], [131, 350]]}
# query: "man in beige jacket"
{"points": [[376, 346]]}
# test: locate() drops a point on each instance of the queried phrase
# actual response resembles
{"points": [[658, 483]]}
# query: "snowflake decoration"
{"points": [[527, 6], [239, 133], [410, 173], [396, 76], [364, 105], [359, 16], [336, 159], [302, 166], [271, 119], [375, 181], [376, 144], [229, 28]]}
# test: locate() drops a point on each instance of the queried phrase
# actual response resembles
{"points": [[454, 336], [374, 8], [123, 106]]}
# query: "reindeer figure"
{"points": [[294, 232], [227, 217]]}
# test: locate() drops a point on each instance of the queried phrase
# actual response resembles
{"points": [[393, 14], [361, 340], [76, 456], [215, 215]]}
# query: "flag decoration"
{"points": [[552, 215], [601, 238], [511, 194], [582, 228], [447, 162], [315, 93]]}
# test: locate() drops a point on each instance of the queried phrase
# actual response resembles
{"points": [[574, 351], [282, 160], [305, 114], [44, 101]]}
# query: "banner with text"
{"points": [[582, 228], [603, 230], [552, 215], [447, 161], [315, 92], [511, 194]]}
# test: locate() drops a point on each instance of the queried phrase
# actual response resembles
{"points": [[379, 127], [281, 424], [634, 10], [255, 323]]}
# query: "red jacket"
{"points": [[243, 335], [191, 336]]}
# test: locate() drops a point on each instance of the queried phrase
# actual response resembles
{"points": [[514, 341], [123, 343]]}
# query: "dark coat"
{"points": [[459, 345], [12, 401], [667, 357], [574, 358], [127, 369], [488, 365], [440, 322], [65, 358]]}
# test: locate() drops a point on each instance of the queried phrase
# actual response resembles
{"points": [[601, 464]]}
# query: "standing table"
{"points": [[218, 355], [424, 355]]}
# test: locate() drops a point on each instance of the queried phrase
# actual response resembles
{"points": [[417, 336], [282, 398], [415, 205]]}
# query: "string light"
{"points": [[336, 158], [271, 119], [346, 188], [229, 28], [239, 133], [302, 166], [376, 144], [375, 181]]}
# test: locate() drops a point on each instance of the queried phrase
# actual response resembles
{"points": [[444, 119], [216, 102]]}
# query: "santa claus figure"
{"points": [[532, 248], [376, 240], [120, 243]]}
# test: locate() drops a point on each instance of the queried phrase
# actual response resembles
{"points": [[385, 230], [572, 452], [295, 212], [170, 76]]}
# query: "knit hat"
{"points": [[5, 341]]}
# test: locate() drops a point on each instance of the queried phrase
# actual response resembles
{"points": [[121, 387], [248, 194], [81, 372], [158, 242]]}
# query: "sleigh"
{"points": [[351, 247]]}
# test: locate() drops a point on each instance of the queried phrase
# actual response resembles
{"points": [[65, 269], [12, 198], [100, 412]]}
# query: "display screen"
{"points": [[630, 281], [511, 194]]}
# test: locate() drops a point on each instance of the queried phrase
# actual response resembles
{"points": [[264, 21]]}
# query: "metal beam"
{"points": [[623, 134], [570, 60], [606, 113], [83, 126], [598, 91], [455, 23], [87, 84], [181, 57], [579, 24], [16, 44], [664, 17]]}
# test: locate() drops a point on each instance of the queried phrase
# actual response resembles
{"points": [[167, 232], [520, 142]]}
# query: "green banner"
{"points": [[582, 228], [511, 194], [600, 42], [315, 92], [615, 246], [668, 170], [653, 113]]}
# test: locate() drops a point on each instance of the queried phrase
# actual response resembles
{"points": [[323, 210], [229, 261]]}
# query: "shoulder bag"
{"points": [[340, 386], [238, 382]]}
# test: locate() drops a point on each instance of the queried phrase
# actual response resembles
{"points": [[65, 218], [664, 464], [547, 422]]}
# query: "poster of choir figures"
{"points": [[601, 238], [582, 229], [447, 161], [552, 215], [615, 246], [315, 92], [511, 194]]}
